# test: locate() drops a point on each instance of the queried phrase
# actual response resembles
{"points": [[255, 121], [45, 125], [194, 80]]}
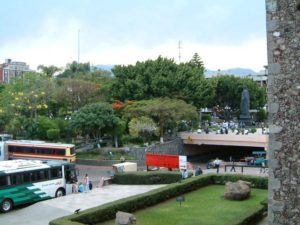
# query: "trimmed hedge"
{"points": [[152, 177], [108, 211]]}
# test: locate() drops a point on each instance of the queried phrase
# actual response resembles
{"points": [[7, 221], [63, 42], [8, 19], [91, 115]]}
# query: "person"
{"points": [[263, 167], [198, 171], [86, 183], [217, 163], [185, 174], [80, 187], [232, 166]]}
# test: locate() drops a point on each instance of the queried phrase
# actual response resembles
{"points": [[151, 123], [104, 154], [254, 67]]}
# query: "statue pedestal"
{"points": [[245, 120]]}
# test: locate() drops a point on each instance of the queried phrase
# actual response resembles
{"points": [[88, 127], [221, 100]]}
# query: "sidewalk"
{"points": [[42, 212]]}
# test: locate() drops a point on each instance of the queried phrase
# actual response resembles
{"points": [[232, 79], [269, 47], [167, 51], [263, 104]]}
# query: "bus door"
{"points": [[2, 151], [70, 178]]}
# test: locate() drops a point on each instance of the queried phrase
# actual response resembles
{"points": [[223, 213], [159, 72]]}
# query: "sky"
{"points": [[225, 33]]}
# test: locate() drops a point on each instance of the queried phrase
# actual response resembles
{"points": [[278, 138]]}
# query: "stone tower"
{"points": [[283, 34]]}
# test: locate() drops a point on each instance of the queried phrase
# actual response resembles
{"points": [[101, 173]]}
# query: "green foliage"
{"points": [[74, 69], [142, 126], [229, 90], [94, 119], [108, 211], [154, 177], [53, 134], [163, 111], [205, 117], [252, 130], [128, 139], [43, 125], [261, 115], [163, 78]]}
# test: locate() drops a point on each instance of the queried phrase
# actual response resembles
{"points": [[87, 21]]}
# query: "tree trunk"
{"points": [[116, 142]]}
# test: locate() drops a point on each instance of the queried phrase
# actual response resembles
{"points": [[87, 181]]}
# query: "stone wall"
{"points": [[283, 35]]}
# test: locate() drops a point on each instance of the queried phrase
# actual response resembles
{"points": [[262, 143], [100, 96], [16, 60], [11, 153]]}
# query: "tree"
{"points": [[49, 71], [229, 90], [74, 69], [164, 111], [75, 93], [142, 126], [93, 119], [163, 78]]}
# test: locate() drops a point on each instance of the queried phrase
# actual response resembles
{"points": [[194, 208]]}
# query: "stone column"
{"points": [[283, 35]]}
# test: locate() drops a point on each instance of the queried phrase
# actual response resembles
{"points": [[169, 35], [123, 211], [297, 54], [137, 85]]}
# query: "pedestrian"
{"points": [[263, 167], [217, 163], [81, 187], [198, 171], [86, 183], [232, 166], [185, 174]]}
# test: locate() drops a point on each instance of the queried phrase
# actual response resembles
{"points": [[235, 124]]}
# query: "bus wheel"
{"points": [[60, 192], [6, 205]]}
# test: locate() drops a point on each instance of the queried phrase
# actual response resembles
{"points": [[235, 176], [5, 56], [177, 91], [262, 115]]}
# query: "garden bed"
{"points": [[205, 206], [108, 211]]}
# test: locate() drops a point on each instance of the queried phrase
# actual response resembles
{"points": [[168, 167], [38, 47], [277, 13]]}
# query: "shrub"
{"points": [[53, 134], [153, 177], [108, 211], [252, 130]]}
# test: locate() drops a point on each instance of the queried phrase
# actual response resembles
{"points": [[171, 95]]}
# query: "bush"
{"points": [[128, 139], [53, 134], [108, 211], [252, 130], [153, 177]]}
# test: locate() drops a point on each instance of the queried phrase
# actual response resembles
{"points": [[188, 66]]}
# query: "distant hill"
{"points": [[233, 71]]}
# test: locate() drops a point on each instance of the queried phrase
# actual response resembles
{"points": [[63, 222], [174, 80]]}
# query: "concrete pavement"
{"points": [[42, 212]]}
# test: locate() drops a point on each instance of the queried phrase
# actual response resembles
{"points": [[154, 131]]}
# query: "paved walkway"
{"points": [[42, 212]]}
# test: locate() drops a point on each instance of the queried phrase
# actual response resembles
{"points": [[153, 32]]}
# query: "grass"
{"points": [[205, 206], [104, 155]]}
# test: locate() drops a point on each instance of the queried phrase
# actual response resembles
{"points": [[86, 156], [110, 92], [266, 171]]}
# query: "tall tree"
{"points": [[163, 78], [164, 111], [49, 71], [93, 119]]}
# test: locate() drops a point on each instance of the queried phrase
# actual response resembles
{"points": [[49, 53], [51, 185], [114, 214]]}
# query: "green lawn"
{"points": [[205, 206]]}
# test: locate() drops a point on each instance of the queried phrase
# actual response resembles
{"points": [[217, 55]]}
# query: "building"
{"points": [[10, 69]]}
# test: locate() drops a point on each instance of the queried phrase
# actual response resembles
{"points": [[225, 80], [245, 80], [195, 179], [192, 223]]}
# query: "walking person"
{"points": [[263, 167], [232, 166], [86, 183], [217, 163]]}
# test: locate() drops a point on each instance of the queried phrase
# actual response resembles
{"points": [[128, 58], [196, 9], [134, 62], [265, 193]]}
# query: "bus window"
{"points": [[59, 152], [42, 175], [56, 173], [26, 177], [72, 151], [16, 179], [3, 181]]}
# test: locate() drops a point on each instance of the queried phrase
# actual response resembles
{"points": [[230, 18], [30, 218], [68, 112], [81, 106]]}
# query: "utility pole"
{"points": [[78, 56], [179, 51]]}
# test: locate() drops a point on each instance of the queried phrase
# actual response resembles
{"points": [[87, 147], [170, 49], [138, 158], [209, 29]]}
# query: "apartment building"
{"points": [[11, 69]]}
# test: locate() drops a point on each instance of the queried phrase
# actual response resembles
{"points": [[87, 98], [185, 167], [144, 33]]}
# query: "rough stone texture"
{"points": [[239, 190], [283, 35], [123, 218]]}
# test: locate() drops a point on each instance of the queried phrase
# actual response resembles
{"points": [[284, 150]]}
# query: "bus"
{"points": [[27, 181], [26, 149]]}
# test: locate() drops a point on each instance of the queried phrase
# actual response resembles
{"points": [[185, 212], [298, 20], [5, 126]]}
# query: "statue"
{"points": [[245, 118], [245, 103]]}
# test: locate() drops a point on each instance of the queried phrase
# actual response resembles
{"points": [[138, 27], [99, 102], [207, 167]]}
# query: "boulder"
{"points": [[123, 218], [239, 190]]}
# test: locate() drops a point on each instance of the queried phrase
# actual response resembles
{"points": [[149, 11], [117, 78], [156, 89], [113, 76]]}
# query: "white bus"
{"points": [[27, 181], [28, 149]]}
